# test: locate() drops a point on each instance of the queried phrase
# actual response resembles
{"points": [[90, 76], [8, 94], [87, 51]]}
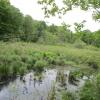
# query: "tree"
{"points": [[65, 34], [28, 29], [8, 25], [52, 8], [79, 26], [87, 37], [78, 29], [40, 27], [96, 40], [4, 11], [53, 29], [96, 15]]}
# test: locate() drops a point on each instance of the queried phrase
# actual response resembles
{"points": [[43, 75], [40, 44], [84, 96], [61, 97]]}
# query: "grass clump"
{"points": [[52, 94], [68, 96], [39, 65], [22, 70], [5, 71]]}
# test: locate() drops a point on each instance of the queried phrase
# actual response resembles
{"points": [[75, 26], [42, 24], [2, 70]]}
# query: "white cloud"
{"points": [[32, 8]]}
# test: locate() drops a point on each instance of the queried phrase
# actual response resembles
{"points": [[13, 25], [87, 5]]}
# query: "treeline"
{"points": [[14, 26]]}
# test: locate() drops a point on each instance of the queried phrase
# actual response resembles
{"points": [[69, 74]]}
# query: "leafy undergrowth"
{"points": [[18, 58]]}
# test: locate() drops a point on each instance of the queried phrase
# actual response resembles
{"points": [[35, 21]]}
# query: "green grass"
{"points": [[19, 57]]}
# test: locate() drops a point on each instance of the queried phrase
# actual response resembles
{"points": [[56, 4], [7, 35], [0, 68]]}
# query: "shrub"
{"points": [[38, 55], [50, 60], [59, 61], [29, 60], [93, 64], [79, 44], [68, 96], [22, 70], [39, 65], [88, 92], [91, 89]]}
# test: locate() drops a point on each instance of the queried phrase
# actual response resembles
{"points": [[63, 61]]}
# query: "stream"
{"points": [[35, 87]]}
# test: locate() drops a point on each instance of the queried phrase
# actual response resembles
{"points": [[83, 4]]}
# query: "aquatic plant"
{"points": [[52, 94], [68, 96], [39, 65], [73, 77], [61, 77]]}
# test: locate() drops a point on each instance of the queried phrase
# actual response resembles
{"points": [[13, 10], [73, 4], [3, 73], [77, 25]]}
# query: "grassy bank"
{"points": [[18, 58]]}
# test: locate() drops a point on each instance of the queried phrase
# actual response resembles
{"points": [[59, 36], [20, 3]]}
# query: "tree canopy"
{"points": [[51, 7], [14, 26]]}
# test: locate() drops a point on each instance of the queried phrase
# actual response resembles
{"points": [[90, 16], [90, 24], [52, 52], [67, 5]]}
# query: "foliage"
{"points": [[91, 89], [79, 44], [24, 28], [61, 78], [64, 48], [52, 7], [17, 58], [39, 65], [9, 27], [67, 96]]}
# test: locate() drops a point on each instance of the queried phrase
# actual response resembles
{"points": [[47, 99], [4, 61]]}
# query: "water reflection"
{"points": [[34, 86]]}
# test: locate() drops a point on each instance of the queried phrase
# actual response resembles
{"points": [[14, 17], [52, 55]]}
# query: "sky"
{"points": [[32, 8]]}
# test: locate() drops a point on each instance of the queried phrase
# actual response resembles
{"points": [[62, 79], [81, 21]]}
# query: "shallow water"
{"points": [[33, 87]]}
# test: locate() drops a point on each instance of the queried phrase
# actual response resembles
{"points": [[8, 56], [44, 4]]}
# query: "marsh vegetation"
{"points": [[47, 62], [66, 72]]}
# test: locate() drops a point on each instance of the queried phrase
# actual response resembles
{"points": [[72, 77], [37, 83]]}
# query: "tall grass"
{"points": [[19, 57]]}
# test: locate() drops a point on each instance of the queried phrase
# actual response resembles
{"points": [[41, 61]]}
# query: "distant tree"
{"points": [[87, 37], [96, 40], [28, 29], [11, 20], [78, 29], [40, 27], [65, 34], [53, 29]]}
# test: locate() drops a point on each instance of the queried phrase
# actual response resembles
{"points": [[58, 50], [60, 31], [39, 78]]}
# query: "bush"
{"points": [[93, 64], [22, 70], [50, 57], [59, 61], [68, 96], [88, 92], [29, 60], [79, 44], [39, 65], [91, 89]]}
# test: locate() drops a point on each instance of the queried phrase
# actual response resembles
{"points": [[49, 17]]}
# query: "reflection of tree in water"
{"points": [[25, 88], [61, 77], [34, 81], [30, 79], [72, 79], [3, 85], [38, 78]]}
